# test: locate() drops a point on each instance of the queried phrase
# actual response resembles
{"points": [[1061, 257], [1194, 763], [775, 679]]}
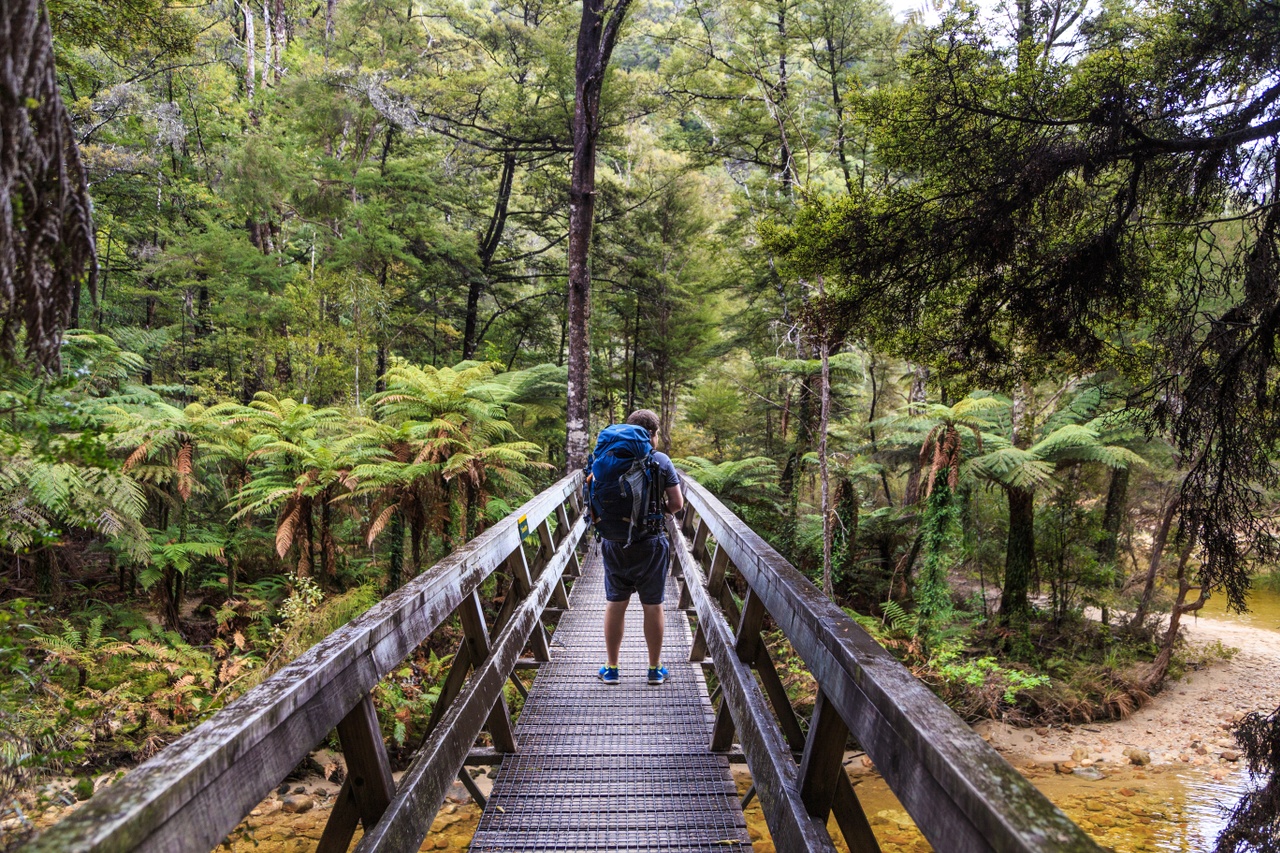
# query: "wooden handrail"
{"points": [[773, 771], [961, 793], [190, 795]]}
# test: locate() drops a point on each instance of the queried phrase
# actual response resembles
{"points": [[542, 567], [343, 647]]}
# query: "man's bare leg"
{"points": [[615, 621], [653, 628]]}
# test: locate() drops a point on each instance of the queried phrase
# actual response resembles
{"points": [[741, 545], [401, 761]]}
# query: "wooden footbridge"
{"points": [[591, 767]]}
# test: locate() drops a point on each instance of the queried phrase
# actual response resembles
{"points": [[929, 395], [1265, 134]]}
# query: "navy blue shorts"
{"points": [[641, 568]]}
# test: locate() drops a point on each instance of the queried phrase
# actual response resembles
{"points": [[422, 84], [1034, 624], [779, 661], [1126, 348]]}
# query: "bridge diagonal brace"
{"points": [[344, 817], [715, 582], [824, 784], [559, 595], [452, 686], [368, 788], [688, 521], [477, 639], [519, 569], [851, 818], [563, 525], [472, 788], [778, 698], [700, 541]]}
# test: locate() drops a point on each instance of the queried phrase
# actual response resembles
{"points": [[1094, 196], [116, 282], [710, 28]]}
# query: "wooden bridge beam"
{"points": [[423, 785], [368, 787]]}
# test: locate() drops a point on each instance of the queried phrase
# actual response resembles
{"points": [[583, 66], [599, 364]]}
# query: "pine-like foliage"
{"points": [[1254, 823]]}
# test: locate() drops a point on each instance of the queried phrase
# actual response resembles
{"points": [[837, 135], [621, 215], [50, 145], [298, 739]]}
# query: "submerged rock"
{"points": [[297, 804], [1089, 773]]}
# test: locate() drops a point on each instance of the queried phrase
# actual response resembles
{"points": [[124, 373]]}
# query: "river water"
{"points": [[1127, 812], [1264, 609]]}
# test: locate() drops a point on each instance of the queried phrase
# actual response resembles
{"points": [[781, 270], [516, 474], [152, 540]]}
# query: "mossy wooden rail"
{"points": [[961, 793]]}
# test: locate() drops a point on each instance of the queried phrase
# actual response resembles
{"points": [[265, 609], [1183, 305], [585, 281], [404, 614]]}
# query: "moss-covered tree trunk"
{"points": [[1020, 554], [395, 552], [1113, 515], [938, 535]]}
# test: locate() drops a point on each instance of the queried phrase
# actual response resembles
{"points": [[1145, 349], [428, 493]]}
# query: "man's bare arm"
{"points": [[675, 499]]}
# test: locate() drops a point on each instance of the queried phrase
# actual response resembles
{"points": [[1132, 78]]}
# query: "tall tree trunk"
{"points": [[833, 71], [871, 419], [915, 406], [330, 23], [326, 540], [281, 21], [250, 58], [489, 243], [847, 508], [786, 156], [824, 421], [417, 530], [793, 472], [268, 35], [596, 38], [306, 555], [395, 552], [635, 358], [1158, 542], [1020, 554], [1160, 666], [1020, 548], [1113, 515]]}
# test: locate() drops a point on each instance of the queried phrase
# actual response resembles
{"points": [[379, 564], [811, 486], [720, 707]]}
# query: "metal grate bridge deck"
{"points": [[621, 767]]}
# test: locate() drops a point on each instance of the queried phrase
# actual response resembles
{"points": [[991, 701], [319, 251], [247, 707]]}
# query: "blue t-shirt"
{"points": [[670, 476]]}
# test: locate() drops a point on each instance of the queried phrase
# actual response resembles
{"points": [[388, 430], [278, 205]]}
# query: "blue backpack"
{"points": [[623, 491]]}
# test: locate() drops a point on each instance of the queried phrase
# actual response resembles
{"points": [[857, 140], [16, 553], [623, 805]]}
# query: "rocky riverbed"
{"points": [[1187, 723]]}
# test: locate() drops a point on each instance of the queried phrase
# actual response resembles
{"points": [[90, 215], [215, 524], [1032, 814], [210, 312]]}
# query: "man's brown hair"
{"points": [[646, 418]]}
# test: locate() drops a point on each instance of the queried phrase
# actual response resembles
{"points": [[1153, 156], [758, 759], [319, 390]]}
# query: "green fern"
{"points": [[897, 618]]}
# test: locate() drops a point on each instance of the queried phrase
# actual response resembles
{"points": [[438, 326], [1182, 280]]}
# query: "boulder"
{"points": [[297, 804], [1139, 757]]}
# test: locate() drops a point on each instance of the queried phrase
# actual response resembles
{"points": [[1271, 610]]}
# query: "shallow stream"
{"points": [[1177, 810], [1264, 609]]}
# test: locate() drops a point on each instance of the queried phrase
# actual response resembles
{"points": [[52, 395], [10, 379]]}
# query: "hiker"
{"points": [[633, 537]]}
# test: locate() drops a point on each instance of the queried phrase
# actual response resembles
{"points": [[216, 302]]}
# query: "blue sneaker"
{"points": [[658, 674], [609, 674]]}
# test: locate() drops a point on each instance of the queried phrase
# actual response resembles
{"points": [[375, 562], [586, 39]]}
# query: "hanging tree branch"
{"points": [[46, 232]]}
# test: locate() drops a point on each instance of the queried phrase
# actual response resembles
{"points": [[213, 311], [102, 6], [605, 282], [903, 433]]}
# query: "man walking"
{"points": [[639, 566]]}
